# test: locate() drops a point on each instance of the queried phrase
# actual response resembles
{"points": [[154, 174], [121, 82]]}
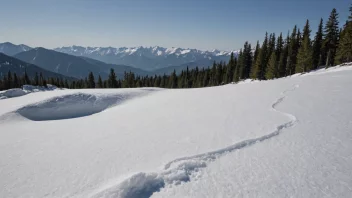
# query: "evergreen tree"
{"points": [[15, 81], [255, 56], [66, 84], [229, 69], [279, 47], [272, 67], [112, 82], [45, 83], [248, 61], [283, 58], [331, 38], [61, 84], [299, 39], [26, 78], [173, 80], [292, 52], [36, 79], [344, 52], [10, 80], [239, 67], [271, 45], [91, 81], [304, 57], [259, 67], [317, 46], [41, 79], [218, 75], [100, 82]]}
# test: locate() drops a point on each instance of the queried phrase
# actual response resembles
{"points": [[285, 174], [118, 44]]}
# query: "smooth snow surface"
{"points": [[289, 137]]}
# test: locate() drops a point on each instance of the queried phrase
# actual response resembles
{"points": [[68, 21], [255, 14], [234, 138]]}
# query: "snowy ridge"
{"points": [[182, 169], [150, 58], [140, 50]]}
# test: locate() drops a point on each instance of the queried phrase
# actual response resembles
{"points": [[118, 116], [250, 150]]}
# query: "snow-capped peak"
{"points": [[155, 50], [149, 58]]}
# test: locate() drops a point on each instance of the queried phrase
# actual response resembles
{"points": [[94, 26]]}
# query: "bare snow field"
{"points": [[290, 137]]}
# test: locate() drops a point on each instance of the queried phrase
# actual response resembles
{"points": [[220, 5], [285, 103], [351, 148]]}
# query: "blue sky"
{"points": [[202, 24]]}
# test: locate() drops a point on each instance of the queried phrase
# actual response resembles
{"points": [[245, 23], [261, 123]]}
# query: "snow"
{"points": [[12, 93], [288, 137], [26, 89], [185, 51], [155, 50]]}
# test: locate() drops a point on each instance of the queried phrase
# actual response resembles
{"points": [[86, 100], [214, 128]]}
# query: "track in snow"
{"points": [[143, 185]]}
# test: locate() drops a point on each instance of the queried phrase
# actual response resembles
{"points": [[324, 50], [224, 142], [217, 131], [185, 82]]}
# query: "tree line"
{"points": [[276, 57]]}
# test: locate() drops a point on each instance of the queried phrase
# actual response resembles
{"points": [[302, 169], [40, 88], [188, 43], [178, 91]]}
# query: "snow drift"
{"points": [[26, 89]]}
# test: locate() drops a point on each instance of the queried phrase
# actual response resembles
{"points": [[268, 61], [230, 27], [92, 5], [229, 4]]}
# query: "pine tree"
{"points": [[304, 57], [279, 47], [292, 53], [15, 81], [36, 79], [112, 82], [331, 38], [271, 47], [248, 61], [218, 75], [229, 69], [283, 58], [26, 78], [344, 52], [10, 80], [272, 67], [66, 84], [173, 80], [61, 84], [317, 45], [259, 67], [100, 82], [91, 81], [255, 56], [45, 83], [239, 67], [41, 79]]}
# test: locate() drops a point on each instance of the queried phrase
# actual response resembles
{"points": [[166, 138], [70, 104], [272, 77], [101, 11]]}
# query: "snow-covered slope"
{"points": [[149, 58], [289, 137]]}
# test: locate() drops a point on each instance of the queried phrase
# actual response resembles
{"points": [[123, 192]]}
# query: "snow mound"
{"points": [[26, 89], [70, 106], [11, 93], [31, 88]]}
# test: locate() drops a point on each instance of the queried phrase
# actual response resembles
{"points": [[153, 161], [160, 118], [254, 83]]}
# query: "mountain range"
{"points": [[77, 61], [149, 58]]}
